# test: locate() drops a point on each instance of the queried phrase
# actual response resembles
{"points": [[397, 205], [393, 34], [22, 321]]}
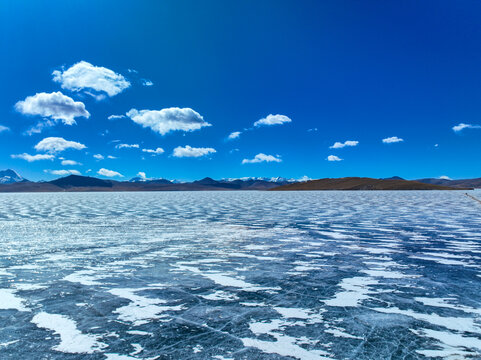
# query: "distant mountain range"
{"points": [[87, 183], [11, 181]]}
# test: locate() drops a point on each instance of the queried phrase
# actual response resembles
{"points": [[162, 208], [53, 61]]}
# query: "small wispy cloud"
{"points": [[127, 146], [39, 127], [70, 162], [32, 158], [157, 151], [340, 145], [392, 139], [234, 135], [3, 128], [116, 117], [463, 126], [334, 158]]}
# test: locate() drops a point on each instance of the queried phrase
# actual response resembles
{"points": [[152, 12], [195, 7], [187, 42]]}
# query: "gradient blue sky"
{"points": [[353, 70]]}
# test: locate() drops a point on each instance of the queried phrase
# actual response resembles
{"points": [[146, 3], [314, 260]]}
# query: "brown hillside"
{"points": [[356, 183]]}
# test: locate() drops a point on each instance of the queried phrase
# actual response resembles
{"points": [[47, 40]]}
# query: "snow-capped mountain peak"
{"points": [[10, 176]]}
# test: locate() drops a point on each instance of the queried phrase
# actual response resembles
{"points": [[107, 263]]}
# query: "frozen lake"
{"points": [[240, 275]]}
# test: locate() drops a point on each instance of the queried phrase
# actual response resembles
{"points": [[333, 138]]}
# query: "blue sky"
{"points": [[327, 72]]}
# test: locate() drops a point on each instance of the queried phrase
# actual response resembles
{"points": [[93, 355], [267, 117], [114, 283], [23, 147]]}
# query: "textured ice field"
{"points": [[240, 275]]}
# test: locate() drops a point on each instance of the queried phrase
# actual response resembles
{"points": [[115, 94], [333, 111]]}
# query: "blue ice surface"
{"points": [[240, 275]]}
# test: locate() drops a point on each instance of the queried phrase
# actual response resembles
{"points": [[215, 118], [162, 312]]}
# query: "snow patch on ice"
{"points": [[141, 309], [445, 303], [453, 346], [356, 289], [298, 313], [220, 295], [387, 274], [197, 349], [140, 333], [338, 333], [85, 277], [29, 287], [71, 339], [285, 346], [452, 323], [225, 280], [10, 301], [4, 272], [137, 349]]}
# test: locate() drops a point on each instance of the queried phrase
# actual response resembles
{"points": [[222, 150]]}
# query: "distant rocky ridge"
{"points": [[11, 181], [471, 183], [393, 178], [356, 183]]}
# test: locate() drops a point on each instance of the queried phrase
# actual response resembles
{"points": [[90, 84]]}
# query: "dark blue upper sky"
{"points": [[358, 71]]}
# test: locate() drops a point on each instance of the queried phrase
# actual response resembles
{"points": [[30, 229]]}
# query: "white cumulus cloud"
{"points": [[170, 119], [262, 158], [463, 126], [273, 120], [127, 146], [333, 158], [142, 175], [99, 156], [63, 172], [340, 145], [55, 106], [85, 76], [109, 173], [31, 158], [234, 135], [188, 151], [391, 140], [445, 177], [57, 144], [147, 82], [157, 151], [3, 128]]}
